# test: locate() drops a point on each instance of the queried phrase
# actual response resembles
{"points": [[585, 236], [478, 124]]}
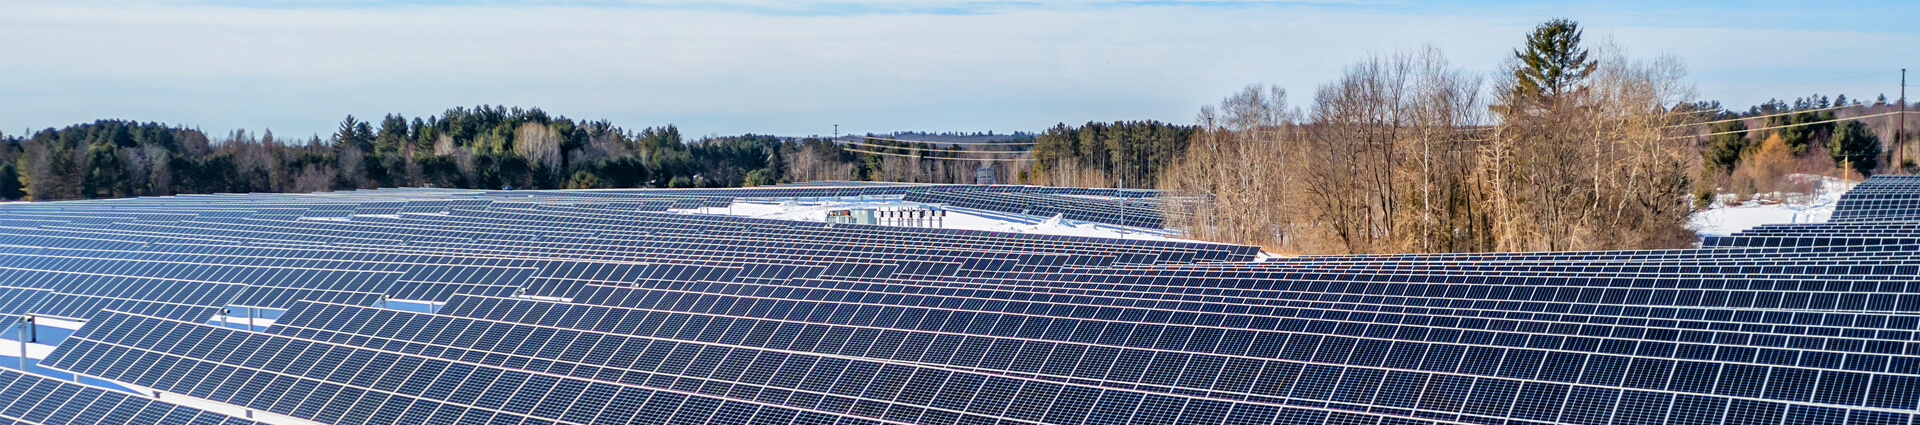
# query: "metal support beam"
{"points": [[22, 336]]}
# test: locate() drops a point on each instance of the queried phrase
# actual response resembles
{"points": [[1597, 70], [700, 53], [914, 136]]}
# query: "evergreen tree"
{"points": [[10, 188], [1803, 130], [1552, 63], [1724, 151], [393, 134], [486, 147], [1857, 145], [355, 134]]}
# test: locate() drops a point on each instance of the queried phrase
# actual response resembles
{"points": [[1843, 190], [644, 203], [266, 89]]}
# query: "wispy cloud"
{"points": [[757, 8], [799, 68]]}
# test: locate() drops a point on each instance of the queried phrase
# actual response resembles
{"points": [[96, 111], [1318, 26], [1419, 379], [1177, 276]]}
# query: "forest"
{"points": [[488, 147], [1570, 146]]}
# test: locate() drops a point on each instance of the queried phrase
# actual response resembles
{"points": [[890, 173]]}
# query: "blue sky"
{"points": [[798, 68]]}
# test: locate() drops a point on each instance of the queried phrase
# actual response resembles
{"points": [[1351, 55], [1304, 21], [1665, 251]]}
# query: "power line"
{"points": [[950, 143], [941, 158], [1756, 117], [1696, 111], [1876, 74], [932, 149], [1788, 125]]}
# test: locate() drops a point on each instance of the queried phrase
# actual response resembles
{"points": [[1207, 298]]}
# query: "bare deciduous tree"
{"points": [[1398, 156]]}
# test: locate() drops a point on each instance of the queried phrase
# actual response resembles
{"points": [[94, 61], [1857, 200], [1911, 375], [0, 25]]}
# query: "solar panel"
{"points": [[629, 306], [31, 399]]}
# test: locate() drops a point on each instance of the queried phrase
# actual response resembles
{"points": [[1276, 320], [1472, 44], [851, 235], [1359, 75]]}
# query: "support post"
{"points": [[22, 336]]}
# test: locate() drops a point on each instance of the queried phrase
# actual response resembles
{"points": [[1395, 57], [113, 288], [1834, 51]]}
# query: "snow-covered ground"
{"points": [[49, 332], [957, 218], [1726, 216], [1722, 219]]}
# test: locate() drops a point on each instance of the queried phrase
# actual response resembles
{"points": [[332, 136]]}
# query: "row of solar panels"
{"points": [[175, 223], [1136, 212], [28, 399], [750, 321], [1127, 207], [1881, 198], [1134, 207], [1884, 210], [717, 243], [1369, 358]]}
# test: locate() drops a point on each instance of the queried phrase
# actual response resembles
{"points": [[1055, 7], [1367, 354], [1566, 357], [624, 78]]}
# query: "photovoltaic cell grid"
{"points": [[1881, 198], [1884, 210], [636, 316], [32, 399], [1137, 212]]}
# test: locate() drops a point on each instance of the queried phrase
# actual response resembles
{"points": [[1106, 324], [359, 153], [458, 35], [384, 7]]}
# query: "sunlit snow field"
{"points": [[1722, 219], [957, 218]]}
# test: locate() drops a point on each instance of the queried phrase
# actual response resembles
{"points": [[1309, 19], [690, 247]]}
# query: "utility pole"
{"points": [[1899, 136]]}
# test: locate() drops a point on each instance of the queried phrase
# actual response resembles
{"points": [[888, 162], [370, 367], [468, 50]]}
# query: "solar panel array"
{"points": [[1884, 210], [1881, 198], [34, 400], [1125, 207], [557, 308], [1125, 211]]}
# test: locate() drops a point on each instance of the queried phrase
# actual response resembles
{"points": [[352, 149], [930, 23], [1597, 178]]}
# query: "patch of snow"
{"points": [[241, 322], [1728, 215], [59, 322], [1054, 221], [10, 349], [815, 210]]}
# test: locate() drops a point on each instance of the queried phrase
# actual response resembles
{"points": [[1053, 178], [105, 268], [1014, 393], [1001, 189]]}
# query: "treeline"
{"points": [[485, 147], [890, 158], [1121, 153], [1570, 147], [1754, 151], [1578, 148], [1574, 151]]}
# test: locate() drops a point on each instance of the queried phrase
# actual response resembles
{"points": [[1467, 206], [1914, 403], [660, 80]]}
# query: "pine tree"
{"points": [[10, 187], [393, 134], [1856, 144], [1725, 150], [1553, 63]]}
